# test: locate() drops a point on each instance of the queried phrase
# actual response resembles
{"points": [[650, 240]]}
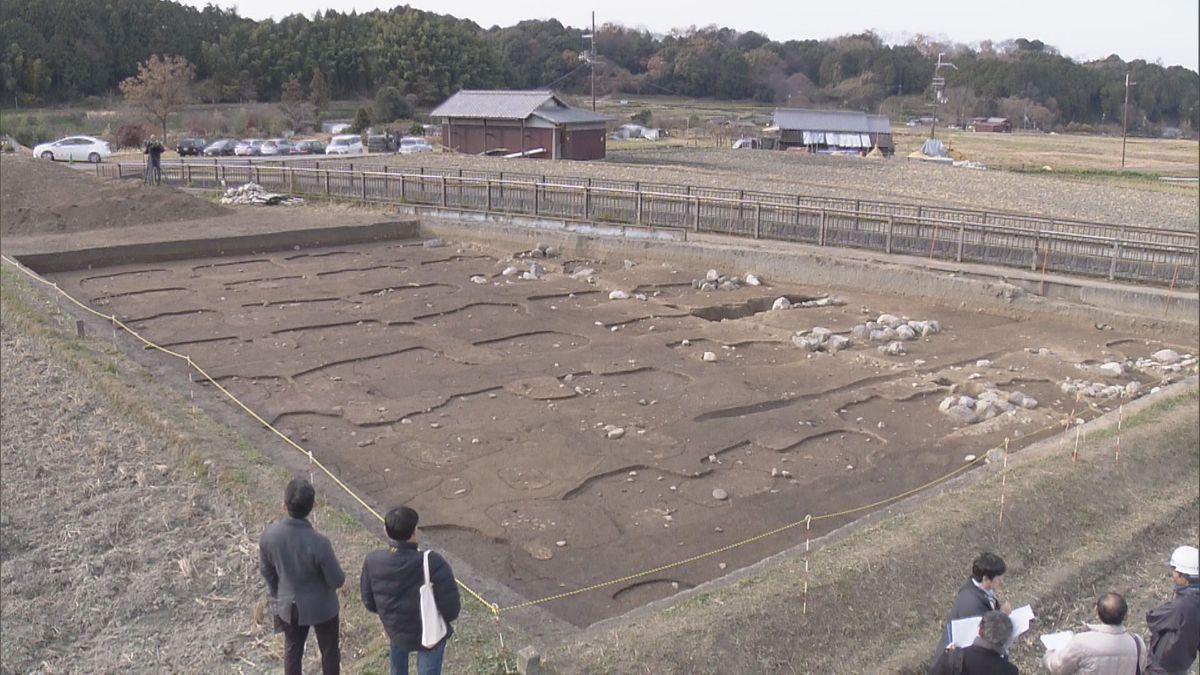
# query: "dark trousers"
{"points": [[294, 636]]}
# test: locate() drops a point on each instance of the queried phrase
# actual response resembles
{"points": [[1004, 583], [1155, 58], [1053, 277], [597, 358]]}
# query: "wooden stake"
{"points": [[807, 542], [1120, 415], [1003, 482], [1045, 259]]}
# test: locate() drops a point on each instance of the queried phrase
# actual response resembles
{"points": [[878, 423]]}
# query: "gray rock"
{"points": [[615, 433], [781, 303], [836, 343], [479, 279], [947, 403], [905, 332], [934, 326], [1113, 369], [1029, 403], [860, 332], [878, 336], [983, 363], [961, 415], [551, 252], [728, 285], [895, 348], [1132, 389], [436, 242], [889, 320], [537, 270], [711, 275], [629, 264], [510, 271], [719, 494], [709, 357], [708, 287], [1166, 356], [806, 342], [966, 402], [752, 280], [821, 333], [618, 295], [537, 253]]}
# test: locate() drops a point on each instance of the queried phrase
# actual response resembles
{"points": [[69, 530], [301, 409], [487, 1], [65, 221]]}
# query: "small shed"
{"points": [[833, 131], [999, 125], [521, 122]]}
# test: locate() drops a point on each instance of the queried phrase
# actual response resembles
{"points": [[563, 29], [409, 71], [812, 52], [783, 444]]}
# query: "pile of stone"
{"points": [[1167, 360], [988, 404], [820, 339], [539, 251], [1099, 389], [889, 328], [715, 281], [254, 194], [535, 272]]}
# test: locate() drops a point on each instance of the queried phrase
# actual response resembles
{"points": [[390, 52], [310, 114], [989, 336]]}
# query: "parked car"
{"points": [[309, 147], [189, 146], [248, 147], [220, 148], [276, 146], [413, 144], [345, 144], [77, 148]]}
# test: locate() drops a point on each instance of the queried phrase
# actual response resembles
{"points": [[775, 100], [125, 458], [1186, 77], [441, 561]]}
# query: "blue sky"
{"points": [[1153, 30]]}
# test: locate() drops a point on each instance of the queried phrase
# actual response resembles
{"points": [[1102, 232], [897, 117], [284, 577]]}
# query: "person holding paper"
{"points": [[985, 656], [978, 594], [1175, 626], [1105, 649], [390, 584]]}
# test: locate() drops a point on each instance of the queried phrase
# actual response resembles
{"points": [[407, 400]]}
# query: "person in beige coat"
{"points": [[1105, 648]]}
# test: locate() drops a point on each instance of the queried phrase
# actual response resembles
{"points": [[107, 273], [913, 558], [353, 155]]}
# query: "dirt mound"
{"points": [[40, 197]]}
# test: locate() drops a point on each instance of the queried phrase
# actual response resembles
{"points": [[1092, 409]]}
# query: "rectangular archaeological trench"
{"points": [[555, 438]]}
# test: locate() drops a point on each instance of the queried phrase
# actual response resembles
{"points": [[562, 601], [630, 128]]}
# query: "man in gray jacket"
{"points": [[303, 576], [1105, 649]]}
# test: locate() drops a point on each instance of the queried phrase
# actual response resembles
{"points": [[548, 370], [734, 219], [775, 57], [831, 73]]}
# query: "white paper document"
{"points": [[1058, 640], [964, 631]]}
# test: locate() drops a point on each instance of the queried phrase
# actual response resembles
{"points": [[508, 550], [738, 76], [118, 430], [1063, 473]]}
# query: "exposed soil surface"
{"points": [[490, 405], [48, 197]]}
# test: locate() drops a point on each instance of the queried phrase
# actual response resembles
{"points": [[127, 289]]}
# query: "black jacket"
{"points": [[977, 659], [970, 601], [1175, 632], [390, 583]]}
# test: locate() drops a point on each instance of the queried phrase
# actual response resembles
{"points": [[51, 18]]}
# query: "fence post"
{"points": [[254, 174], [796, 214], [857, 204], [889, 232], [1037, 244], [587, 200], [292, 179], [489, 195], [537, 190], [443, 192], [962, 235], [757, 220], [639, 207], [696, 215], [362, 177], [326, 182], [821, 231], [1112, 268], [403, 189]]}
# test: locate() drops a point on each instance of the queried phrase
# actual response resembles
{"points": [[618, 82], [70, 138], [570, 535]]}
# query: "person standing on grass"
{"points": [[1105, 649], [303, 576], [390, 584], [153, 151], [978, 595], [1175, 626], [985, 656]]}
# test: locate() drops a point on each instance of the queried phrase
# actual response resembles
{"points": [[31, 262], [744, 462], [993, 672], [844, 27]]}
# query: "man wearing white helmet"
{"points": [[1175, 626]]}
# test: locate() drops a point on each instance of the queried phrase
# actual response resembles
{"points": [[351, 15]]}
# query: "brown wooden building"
{"points": [[526, 122]]}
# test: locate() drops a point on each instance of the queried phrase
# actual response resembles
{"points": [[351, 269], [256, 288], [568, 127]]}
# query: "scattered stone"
{"points": [[893, 348], [560, 543], [722, 566], [708, 286], [711, 275], [969, 458], [538, 551], [479, 279], [709, 357], [836, 343], [752, 280], [889, 320], [961, 414], [614, 434], [618, 295], [906, 332], [509, 271], [1132, 389], [685, 343], [254, 194], [1113, 369], [719, 494], [781, 303], [582, 273], [983, 363], [629, 264], [436, 242]]}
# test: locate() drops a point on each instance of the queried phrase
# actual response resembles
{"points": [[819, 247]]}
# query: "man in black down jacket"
{"points": [[979, 593], [391, 581]]}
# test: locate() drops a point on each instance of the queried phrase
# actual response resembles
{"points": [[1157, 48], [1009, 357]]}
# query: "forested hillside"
{"points": [[63, 50]]}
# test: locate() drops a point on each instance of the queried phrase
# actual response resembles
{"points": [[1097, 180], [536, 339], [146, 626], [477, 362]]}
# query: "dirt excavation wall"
{"points": [[562, 418]]}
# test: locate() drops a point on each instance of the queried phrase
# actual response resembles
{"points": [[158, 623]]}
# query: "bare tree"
{"points": [[161, 87], [293, 104]]}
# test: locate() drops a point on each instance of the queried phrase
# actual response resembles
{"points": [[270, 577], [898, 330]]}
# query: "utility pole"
{"points": [[939, 85], [1125, 119], [590, 57]]}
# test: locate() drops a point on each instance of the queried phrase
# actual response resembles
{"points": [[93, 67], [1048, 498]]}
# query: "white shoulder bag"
{"points": [[433, 626]]}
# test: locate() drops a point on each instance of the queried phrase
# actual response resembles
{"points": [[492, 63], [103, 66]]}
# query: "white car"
{"points": [[77, 148], [412, 144], [345, 144]]}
